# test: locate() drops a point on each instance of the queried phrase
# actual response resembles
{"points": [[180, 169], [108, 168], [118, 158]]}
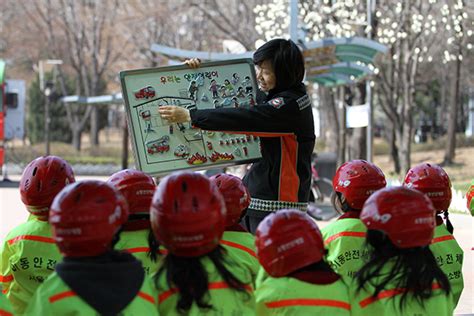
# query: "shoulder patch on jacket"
{"points": [[304, 102], [277, 102]]}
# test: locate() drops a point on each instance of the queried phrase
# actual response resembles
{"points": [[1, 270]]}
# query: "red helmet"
{"points": [[470, 200], [406, 216], [137, 188], [432, 180], [236, 196], [286, 241], [188, 214], [42, 179], [85, 217], [357, 180]]}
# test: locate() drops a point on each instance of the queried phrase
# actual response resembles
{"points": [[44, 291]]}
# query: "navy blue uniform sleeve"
{"points": [[263, 118]]}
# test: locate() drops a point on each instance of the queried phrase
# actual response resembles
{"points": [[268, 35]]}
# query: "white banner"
{"points": [[357, 116]]}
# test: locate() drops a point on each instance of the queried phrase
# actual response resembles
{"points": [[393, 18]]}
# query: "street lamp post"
{"points": [[368, 87], [47, 91]]}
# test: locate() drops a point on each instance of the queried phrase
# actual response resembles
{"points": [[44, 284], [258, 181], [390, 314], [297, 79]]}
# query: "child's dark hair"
{"points": [[286, 59], [339, 205], [190, 278], [154, 246], [317, 266], [449, 225], [414, 269]]}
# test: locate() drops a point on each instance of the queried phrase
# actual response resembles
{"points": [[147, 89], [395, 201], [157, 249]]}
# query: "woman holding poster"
{"points": [[283, 120]]}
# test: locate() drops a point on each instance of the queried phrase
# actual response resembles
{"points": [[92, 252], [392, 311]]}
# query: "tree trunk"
{"points": [[405, 134], [394, 149], [330, 117], [405, 145], [452, 119], [76, 139], [94, 132]]}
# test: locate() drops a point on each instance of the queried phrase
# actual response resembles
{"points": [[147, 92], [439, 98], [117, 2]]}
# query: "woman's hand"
{"points": [[174, 114], [193, 63]]}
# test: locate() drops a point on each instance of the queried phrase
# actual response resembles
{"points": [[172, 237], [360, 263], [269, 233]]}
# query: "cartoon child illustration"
{"points": [[214, 87], [223, 91], [240, 92], [216, 104], [192, 90], [235, 103], [235, 78], [229, 87], [251, 100], [247, 83]]}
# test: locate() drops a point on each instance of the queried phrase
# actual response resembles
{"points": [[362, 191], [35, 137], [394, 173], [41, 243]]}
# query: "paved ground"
{"points": [[12, 213]]}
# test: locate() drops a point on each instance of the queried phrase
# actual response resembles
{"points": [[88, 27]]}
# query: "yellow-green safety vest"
{"points": [[388, 301], [29, 256], [290, 296], [241, 247], [449, 256], [345, 241], [225, 300], [5, 307], [136, 243], [54, 297]]}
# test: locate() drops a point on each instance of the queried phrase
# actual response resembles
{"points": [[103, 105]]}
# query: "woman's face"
{"points": [[265, 76]]}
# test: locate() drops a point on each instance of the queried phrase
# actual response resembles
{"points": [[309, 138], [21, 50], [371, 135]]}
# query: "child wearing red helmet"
{"points": [[197, 275], [434, 182], [92, 278], [299, 282], [29, 254], [137, 238], [236, 239], [344, 239], [401, 276]]}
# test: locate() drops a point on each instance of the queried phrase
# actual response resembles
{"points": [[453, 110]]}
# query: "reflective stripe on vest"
{"points": [[238, 246], [387, 294], [66, 294], [344, 234], [308, 302], [442, 238], [211, 286], [6, 278], [32, 238], [144, 249], [224, 242]]}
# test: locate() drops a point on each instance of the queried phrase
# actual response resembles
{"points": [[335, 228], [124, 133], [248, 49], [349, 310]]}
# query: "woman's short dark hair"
{"points": [[286, 59]]}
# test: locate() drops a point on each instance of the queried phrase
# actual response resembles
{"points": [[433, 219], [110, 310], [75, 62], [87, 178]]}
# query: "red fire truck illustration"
{"points": [[160, 145], [145, 93]]}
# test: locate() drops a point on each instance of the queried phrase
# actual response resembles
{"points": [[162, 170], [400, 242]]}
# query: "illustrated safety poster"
{"points": [[160, 147]]}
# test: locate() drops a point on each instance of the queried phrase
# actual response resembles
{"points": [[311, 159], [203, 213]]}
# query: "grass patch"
{"points": [[104, 154], [381, 146]]}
